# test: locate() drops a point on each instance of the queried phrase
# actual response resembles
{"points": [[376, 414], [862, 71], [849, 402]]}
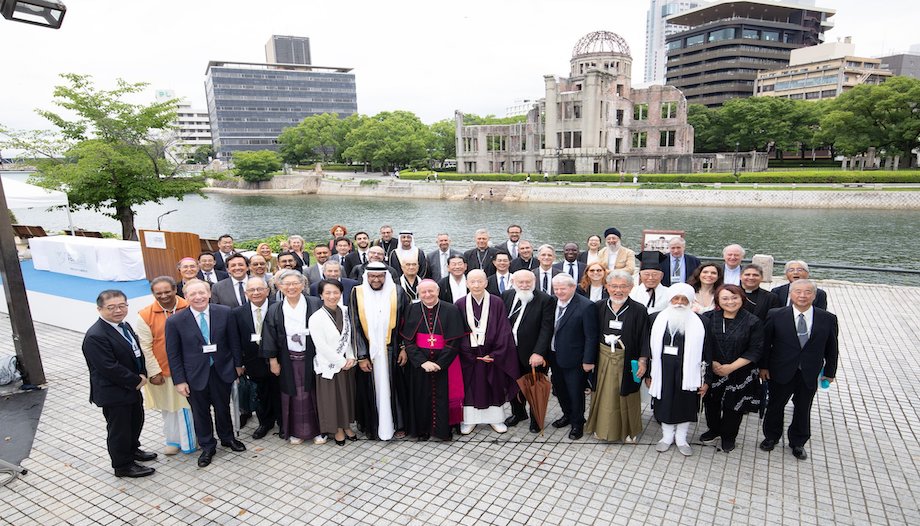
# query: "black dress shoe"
{"points": [[424, 437], [514, 420], [562, 422], [768, 444], [534, 428], [799, 452], [205, 459], [576, 433], [728, 445], [339, 442], [260, 432], [144, 456], [235, 445], [134, 471]]}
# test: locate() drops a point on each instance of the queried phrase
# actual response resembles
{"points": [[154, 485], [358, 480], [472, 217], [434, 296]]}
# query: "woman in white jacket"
{"points": [[334, 362]]}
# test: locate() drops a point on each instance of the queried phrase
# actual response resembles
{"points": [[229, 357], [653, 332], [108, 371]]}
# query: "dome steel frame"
{"points": [[601, 42]]}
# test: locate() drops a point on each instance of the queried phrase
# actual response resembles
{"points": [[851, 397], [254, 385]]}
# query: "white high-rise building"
{"points": [[193, 127], [655, 31]]}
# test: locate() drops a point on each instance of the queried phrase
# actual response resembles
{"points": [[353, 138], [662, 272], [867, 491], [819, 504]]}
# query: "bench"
{"points": [[26, 231]]}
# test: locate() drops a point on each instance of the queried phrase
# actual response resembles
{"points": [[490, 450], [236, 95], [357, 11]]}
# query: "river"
{"points": [[839, 237]]}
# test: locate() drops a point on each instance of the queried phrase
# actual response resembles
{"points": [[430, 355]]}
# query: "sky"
{"points": [[428, 57]]}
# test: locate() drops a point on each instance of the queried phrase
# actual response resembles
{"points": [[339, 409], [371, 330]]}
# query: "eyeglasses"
{"points": [[257, 289], [290, 283], [796, 270], [113, 308]]}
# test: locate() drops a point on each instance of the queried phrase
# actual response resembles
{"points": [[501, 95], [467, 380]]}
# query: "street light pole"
{"points": [[735, 161]]}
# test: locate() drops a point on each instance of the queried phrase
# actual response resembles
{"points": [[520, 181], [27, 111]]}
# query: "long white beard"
{"points": [[677, 318], [524, 296], [614, 247]]}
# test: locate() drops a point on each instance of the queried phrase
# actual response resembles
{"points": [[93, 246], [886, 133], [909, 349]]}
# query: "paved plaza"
{"points": [[863, 465]]}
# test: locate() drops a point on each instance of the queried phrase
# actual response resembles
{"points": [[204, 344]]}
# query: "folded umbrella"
{"points": [[536, 389]]}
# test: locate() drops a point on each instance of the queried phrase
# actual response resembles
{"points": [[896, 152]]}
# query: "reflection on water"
{"points": [[840, 237]]}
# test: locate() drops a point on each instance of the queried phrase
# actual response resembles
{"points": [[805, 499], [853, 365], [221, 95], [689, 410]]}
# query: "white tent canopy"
{"points": [[24, 195]]}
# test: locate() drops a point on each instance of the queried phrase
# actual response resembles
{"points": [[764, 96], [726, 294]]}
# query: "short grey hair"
{"points": [[804, 282], [563, 279], [546, 245], [790, 264], [296, 237], [679, 240], [620, 274], [331, 263], [286, 273], [482, 231], [734, 245]]}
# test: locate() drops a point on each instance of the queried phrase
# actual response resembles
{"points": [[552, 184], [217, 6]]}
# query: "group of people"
{"points": [[376, 337]]}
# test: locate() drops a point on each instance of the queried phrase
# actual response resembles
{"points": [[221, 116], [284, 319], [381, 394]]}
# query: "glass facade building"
{"points": [[249, 104]]}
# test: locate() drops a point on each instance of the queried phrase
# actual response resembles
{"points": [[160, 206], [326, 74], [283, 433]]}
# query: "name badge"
{"points": [[616, 325], [670, 350], [416, 301], [137, 352], [208, 349], [257, 338]]}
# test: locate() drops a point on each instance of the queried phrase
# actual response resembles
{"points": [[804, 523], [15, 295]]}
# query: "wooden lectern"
{"points": [[162, 251]]}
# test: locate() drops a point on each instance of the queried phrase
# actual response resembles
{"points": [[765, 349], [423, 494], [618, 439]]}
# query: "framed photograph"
{"points": [[659, 239]]}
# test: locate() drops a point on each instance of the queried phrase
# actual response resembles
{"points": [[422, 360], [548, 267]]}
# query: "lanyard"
{"points": [[616, 316]]}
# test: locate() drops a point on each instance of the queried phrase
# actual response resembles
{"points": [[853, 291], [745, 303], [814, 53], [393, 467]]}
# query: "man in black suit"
{"points": [[117, 372], [481, 257], [573, 352], [332, 270], [800, 343], [679, 266], [545, 273], [248, 320], [524, 259], [514, 237], [232, 292], [207, 269], [531, 315], [437, 259], [500, 282], [225, 250], [570, 264], [204, 355], [796, 270], [386, 241], [358, 256]]}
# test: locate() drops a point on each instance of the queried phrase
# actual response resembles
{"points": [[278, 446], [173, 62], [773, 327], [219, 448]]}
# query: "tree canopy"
{"points": [[256, 166], [111, 155]]}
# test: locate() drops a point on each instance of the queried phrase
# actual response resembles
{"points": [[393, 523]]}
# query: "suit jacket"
{"points": [[626, 259], [256, 365], [579, 269], [536, 328], [782, 293], [472, 260], [492, 284], [347, 285], [344, 262], [224, 293], [114, 371], [690, 264], [519, 264], [313, 274], [219, 273], [577, 333], [187, 362], [538, 285], [219, 261], [434, 262], [352, 260], [783, 355]]}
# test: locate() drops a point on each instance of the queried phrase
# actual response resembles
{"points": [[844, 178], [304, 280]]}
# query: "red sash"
{"points": [[429, 341]]}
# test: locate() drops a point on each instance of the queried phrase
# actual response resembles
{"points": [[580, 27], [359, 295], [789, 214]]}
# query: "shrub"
{"points": [[273, 241], [256, 166], [369, 182]]}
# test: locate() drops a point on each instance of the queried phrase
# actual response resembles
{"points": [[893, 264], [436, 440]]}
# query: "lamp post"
{"points": [[46, 14], [735, 161], [559, 160]]}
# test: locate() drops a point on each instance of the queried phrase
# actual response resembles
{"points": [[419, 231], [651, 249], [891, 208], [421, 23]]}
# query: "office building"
{"points": [[728, 42], [192, 128], [906, 64], [288, 50], [820, 72], [656, 29], [249, 104]]}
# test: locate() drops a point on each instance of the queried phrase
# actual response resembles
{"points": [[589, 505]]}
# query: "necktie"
{"points": [[676, 268], [571, 270], [651, 298], [127, 334], [501, 284], [801, 329], [258, 320], [559, 312], [545, 283], [513, 250], [364, 258], [242, 297], [206, 332], [207, 277], [443, 263]]}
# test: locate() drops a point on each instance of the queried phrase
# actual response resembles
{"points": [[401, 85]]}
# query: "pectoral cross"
{"points": [[431, 340]]}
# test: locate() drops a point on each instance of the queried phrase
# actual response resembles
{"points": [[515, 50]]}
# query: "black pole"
{"points": [[14, 288]]}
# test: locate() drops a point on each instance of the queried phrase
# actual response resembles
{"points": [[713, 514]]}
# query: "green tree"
{"points": [[389, 139], [316, 137], [765, 123], [471, 119], [444, 145], [256, 166], [203, 154], [709, 129], [110, 156], [886, 117]]}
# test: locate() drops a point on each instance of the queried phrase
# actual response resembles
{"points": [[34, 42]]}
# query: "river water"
{"points": [[876, 238]]}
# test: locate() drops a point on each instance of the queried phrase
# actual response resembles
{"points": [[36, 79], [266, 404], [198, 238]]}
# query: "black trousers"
{"points": [[725, 422], [123, 424], [268, 389], [216, 395], [569, 386], [802, 397]]}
